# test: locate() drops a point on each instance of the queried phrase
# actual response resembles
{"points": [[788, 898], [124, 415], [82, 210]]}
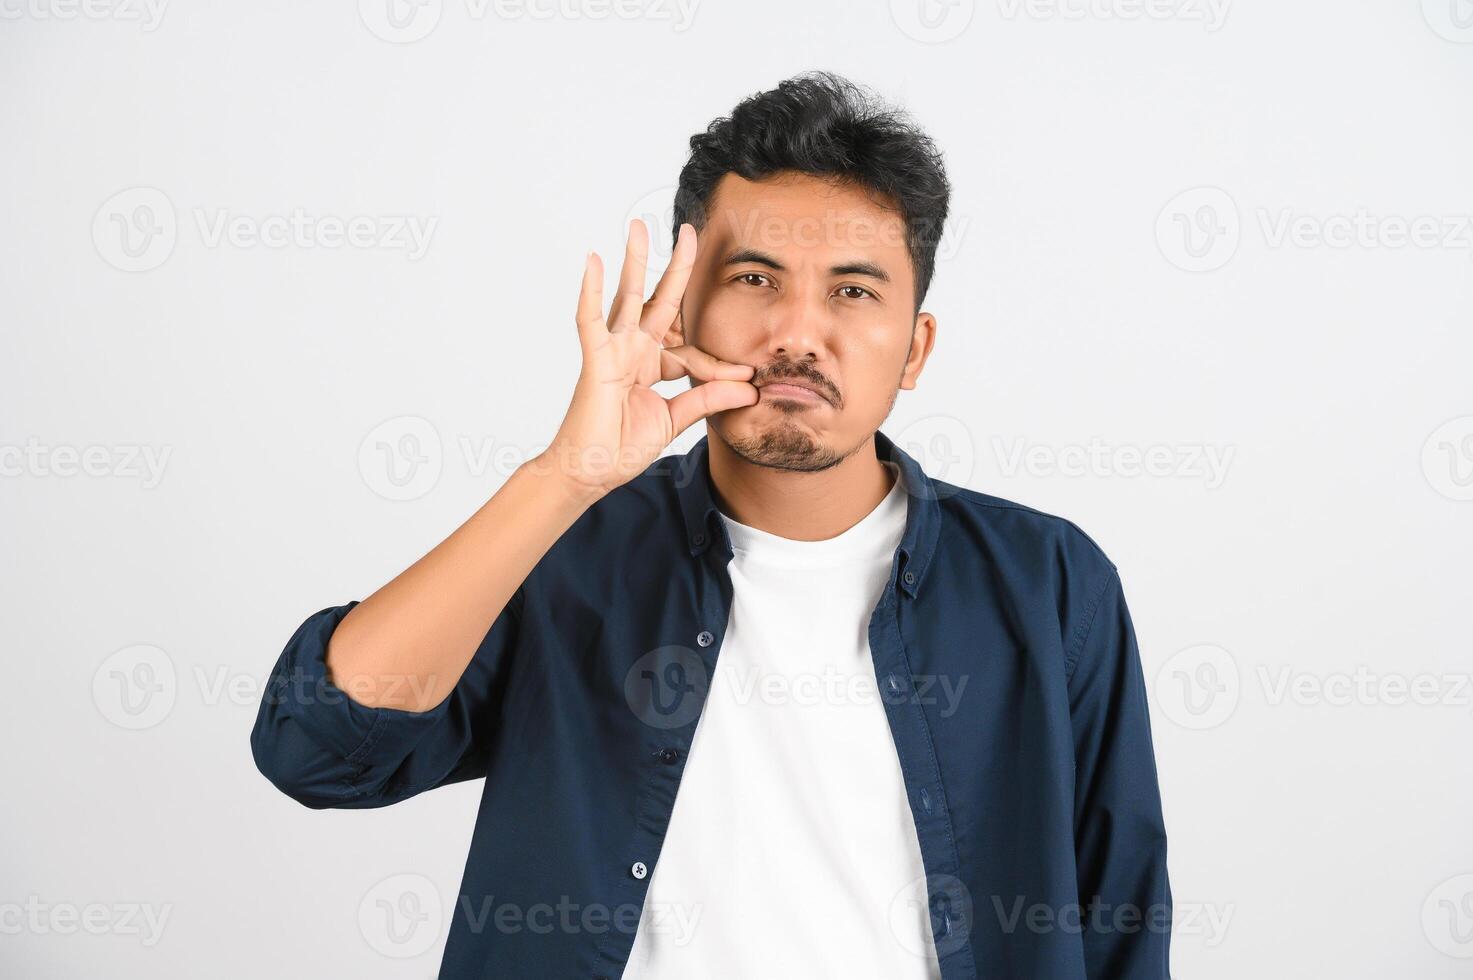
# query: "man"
{"points": [[784, 706]]}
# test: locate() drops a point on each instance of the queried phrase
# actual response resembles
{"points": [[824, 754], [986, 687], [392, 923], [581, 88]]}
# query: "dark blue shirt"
{"points": [[1004, 655]]}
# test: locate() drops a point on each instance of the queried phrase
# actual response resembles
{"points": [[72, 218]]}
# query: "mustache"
{"points": [[799, 371]]}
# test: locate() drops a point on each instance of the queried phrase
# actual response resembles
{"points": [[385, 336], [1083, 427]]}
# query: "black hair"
{"points": [[824, 125]]}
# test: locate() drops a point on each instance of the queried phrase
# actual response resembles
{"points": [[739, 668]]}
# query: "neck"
{"points": [[803, 506]]}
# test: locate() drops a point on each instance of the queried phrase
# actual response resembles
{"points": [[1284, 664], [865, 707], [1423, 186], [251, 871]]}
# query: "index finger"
{"points": [[660, 311]]}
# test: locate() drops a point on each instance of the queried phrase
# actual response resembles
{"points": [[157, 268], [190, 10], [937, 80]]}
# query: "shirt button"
{"points": [[705, 638], [698, 539], [638, 869], [910, 578], [893, 683], [668, 756]]}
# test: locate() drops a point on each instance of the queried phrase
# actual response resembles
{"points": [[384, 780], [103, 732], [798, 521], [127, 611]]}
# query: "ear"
{"points": [[923, 338]]}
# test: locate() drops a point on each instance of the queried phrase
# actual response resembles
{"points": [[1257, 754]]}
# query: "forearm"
{"points": [[407, 644]]}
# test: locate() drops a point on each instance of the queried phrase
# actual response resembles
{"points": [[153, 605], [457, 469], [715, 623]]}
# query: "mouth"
{"points": [[797, 391]]}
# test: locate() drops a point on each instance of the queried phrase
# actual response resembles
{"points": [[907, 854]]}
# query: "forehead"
{"points": [[793, 214]]}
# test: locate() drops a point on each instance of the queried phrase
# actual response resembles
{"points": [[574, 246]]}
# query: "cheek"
{"points": [[869, 361], [726, 323]]}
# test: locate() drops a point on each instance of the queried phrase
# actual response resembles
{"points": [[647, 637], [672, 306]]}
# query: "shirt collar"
{"points": [[692, 475]]}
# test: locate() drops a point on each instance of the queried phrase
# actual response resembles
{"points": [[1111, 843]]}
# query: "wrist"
{"points": [[556, 479]]}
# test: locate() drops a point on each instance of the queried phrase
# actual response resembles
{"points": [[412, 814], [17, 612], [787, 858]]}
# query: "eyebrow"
{"points": [[744, 255]]}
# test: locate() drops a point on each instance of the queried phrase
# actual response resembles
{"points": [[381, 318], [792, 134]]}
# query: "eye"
{"points": [[859, 289], [753, 275]]}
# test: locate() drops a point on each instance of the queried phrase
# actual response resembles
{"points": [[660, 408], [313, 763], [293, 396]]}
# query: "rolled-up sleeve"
{"points": [[1120, 835], [323, 749]]}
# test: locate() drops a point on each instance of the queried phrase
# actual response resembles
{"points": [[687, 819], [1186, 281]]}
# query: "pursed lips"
{"points": [[796, 388]]}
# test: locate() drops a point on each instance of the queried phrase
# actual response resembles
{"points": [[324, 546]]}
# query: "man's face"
{"points": [[811, 284]]}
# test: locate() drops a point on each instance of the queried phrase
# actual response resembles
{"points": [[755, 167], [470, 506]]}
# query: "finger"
{"points": [[660, 311], [688, 407], [591, 326], [624, 313], [687, 360]]}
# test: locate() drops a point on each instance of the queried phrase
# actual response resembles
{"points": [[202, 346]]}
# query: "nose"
{"points": [[797, 323]]}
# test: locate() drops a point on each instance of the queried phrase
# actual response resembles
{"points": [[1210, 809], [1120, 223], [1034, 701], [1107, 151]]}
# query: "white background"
{"points": [[1286, 599]]}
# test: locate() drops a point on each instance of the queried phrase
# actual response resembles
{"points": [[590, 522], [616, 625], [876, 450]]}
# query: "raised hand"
{"points": [[617, 423]]}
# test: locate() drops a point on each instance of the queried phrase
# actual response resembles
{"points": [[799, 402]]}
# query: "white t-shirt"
{"points": [[791, 850]]}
